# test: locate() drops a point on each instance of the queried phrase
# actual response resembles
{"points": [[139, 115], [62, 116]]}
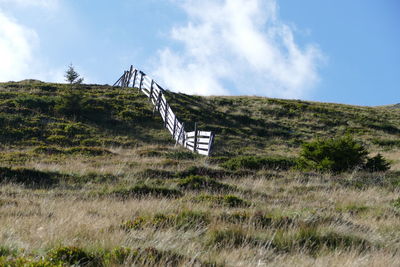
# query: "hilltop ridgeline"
{"points": [[33, 113]]}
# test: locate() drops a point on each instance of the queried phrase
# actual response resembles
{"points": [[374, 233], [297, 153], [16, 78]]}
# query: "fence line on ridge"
{"points": [[197, 141]]}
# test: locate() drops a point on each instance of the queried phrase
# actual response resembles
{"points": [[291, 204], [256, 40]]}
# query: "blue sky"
{"points": [[331, 51]]}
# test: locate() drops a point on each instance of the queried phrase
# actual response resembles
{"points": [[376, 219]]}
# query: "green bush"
{"points": [[72, 256], [40, 103], [6, 251], [28, 177], [135, 224], [258, 163], [377, 163], [59, 140], [70, 104], [396, 203], [51, 150], [27, 262], [338, 155], [119, 255]]}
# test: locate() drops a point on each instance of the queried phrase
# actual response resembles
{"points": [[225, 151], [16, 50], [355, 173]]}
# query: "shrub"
{"points": [[59, 140], [40, 103], [136, 114], [28, 177], [135, 224], [90, 142], [95, 109], [70, 104], [396, 203], [119, 255], [377, 164], [154, 257], [72, 256], [258, 162], [6, 251], [26, 261], [338, 155], [48, 150]]}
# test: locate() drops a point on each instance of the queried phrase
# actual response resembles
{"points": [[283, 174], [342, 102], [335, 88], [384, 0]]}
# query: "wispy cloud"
{"points": [[20, 48], [17, 45], [30, 3], [237, 47]]}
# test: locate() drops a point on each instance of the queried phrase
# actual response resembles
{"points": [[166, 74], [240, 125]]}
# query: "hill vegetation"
{"points": [[88, 176]]}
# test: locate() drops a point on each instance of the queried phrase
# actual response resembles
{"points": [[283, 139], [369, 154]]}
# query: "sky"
{"points": [[342, 51]]}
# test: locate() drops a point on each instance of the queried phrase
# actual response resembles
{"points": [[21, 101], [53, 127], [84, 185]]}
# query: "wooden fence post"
{"points": [[173, 132], [210, 143], [134, 79], [195, 136], [141, 80], [151, 89], [123, 79], [166, 114], [158, 103], [119, 81], [180, 133]]}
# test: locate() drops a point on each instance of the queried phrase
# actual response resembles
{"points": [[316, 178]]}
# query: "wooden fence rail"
{"points": [[197, 141]]}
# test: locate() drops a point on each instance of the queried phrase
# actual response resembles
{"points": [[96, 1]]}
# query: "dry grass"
{"points": [[34, 221]]}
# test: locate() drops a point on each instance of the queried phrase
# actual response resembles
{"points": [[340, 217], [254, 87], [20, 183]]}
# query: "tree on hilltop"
{"points": [[72, 76]]}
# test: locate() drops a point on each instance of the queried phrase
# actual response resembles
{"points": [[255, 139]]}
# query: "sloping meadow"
{"points": [[103, 184]]}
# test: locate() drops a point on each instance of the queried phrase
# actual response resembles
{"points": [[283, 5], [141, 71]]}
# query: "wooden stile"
{"points": [[197, 141]]}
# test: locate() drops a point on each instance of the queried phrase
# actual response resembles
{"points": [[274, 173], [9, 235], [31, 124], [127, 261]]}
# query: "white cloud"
{"points": [[17, 45], [34, 3], [20, 51], [241, 44]]}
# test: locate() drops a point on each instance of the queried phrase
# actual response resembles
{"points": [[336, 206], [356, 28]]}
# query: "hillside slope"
{"points": [[89, 177], [33, 114]]}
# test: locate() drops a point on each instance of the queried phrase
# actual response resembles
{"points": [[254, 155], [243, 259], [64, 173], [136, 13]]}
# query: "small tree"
{"points": [[339, 155], [72, 76]]}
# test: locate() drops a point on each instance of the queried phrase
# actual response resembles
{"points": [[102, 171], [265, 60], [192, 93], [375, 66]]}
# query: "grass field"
{"points": [[88, 176]]}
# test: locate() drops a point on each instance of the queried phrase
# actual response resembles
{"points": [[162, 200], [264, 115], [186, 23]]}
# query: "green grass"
{"points": [[40, 114], [91, 178]]}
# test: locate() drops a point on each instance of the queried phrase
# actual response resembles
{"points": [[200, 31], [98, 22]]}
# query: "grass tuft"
{"points": [[141, 190], [197, 183]]}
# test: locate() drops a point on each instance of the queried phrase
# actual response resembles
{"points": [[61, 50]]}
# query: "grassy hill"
{"points": [[88, 175]]}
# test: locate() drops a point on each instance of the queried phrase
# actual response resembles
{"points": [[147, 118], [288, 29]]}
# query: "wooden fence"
{"points": [[197, 141]]}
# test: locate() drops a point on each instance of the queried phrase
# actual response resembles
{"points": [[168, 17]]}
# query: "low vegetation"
{"points": [[339, 155], [89, 177]]}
